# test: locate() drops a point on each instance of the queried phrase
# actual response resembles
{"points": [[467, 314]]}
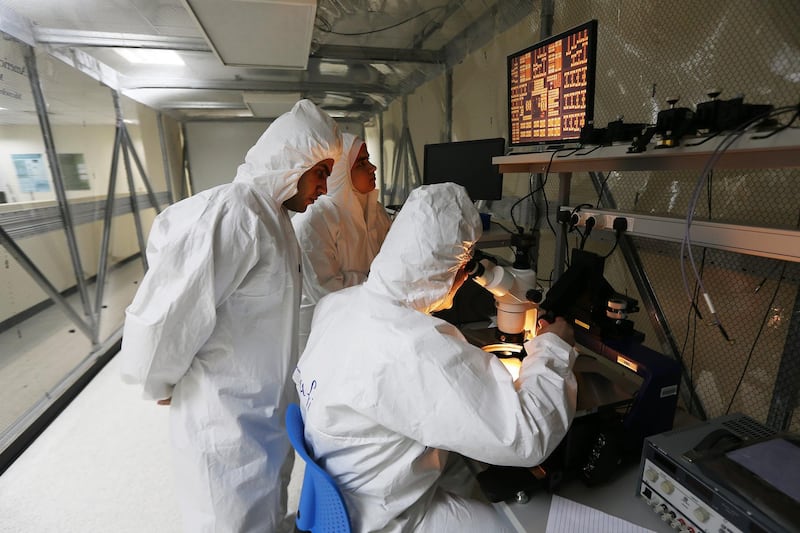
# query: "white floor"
{"points": [[102, 466]]}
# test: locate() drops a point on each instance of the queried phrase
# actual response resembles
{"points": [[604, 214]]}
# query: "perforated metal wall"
{"points": [[649, 51]]}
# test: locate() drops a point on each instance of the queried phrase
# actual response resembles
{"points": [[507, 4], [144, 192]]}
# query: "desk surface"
{"points": [[617, 498]]}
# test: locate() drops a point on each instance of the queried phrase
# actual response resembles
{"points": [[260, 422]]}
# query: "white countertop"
{"points": [[617, 498]]}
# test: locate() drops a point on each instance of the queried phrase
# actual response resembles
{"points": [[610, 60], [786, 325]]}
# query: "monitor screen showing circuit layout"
{"points": [[551, 88]]}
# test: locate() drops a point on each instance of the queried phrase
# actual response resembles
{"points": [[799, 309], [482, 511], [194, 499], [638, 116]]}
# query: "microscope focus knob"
{"points": [[534, 295]]}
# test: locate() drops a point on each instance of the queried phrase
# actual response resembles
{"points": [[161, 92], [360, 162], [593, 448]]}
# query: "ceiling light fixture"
{"points": [[257, 33], [150, 57]]}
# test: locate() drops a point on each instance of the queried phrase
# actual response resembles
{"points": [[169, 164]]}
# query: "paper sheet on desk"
{"points": [[567, 516]]}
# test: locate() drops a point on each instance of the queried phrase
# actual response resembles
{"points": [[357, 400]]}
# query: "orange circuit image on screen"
{"points": [[548, 90]]}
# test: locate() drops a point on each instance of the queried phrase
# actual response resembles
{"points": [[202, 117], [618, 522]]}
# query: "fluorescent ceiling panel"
{"points": [[269, 105], [257, 33], [150, 57]]}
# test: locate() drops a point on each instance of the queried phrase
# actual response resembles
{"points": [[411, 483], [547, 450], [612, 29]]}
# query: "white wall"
{"points": [[216, 149]]}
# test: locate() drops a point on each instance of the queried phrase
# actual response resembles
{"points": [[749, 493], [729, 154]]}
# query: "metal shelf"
{"points": [[781, 150]]}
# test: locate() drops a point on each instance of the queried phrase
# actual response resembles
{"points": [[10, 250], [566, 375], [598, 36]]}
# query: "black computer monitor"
{"points": [[551, 88], [467, 163]]}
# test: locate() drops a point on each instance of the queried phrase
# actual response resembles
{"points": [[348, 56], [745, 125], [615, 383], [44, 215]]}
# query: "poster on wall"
{"points": [[31, 172], [15, 93], [74, 172]]}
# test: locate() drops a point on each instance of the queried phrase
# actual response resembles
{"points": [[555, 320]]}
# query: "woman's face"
{"points": [[363, 172]]}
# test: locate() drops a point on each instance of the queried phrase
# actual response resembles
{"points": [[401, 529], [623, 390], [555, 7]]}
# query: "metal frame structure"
{"points": [[89, 323]]}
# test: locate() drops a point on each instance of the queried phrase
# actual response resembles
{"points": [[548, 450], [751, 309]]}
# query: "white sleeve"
{"points": [[193, 266], [465, 400]]}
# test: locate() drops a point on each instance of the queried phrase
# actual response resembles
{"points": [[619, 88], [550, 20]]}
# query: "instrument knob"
{"points": [[701, 514], [651, 475], [667, 487]]}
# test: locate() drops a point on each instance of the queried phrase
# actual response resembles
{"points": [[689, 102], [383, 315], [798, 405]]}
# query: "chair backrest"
{"points": [[321, 507]]}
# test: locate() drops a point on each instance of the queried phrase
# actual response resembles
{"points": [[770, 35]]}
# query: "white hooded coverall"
{"points": [[214, 326], [339, 235], [387, 389]]}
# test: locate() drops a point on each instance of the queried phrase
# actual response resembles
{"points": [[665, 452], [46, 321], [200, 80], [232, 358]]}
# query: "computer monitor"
{"points": [[467, 163], [551, 88]]}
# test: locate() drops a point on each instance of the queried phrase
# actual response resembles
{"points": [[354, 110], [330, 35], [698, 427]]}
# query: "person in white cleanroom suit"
{"points": [[342, 232], [213, 326], [387, 390]]}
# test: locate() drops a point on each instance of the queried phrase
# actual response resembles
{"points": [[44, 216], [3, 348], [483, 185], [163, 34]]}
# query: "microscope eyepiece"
{"points": [[474, 268]]}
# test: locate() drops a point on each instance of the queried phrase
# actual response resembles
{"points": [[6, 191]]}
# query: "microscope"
{"points": [[626, 391], [513, 288], [515, 295]]}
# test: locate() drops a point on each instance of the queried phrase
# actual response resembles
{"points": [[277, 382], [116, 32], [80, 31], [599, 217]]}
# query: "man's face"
{"points": [[312, 184], [363, 172]]}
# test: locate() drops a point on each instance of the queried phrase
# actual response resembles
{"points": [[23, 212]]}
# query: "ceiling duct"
{"points": [[269, 105], [257, 33]]}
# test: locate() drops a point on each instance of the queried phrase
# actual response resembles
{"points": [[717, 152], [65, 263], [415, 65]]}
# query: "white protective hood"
{"points": [[363, 210], [417, 268], [293, 143]]}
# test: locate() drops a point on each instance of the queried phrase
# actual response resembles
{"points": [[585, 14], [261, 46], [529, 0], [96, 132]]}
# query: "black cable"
{"points": [[616, 242], [691, 327], [531, 193], [590, 223], [572, 152], [755, 341], [544, 196], [547, 211], [706, 139], [785, 126], [502, 226], [693, 314], [514, 220], [573, 226], [590, 151], [602, 187], [727, 141], [355, 34], [692, 317], [760, 330]]}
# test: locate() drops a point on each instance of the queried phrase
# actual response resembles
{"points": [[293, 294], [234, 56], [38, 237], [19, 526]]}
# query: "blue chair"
{"points": [[321, 508]]}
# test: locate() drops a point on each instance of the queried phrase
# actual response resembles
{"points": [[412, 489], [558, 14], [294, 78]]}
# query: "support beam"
{"points": [[58, 186], [19, 255], [376, 54]]}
